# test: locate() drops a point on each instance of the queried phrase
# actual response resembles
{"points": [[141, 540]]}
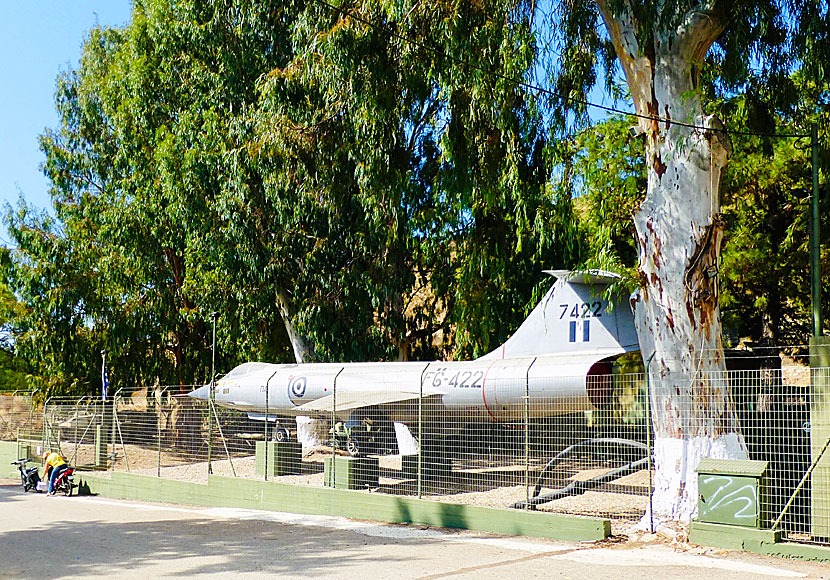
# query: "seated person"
{"points": [[55, 465]]}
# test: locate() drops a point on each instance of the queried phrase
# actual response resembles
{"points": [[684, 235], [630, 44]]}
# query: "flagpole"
{"points": [[104, 388], [104, 380]]}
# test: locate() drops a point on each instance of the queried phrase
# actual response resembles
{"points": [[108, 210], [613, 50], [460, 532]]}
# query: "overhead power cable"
{"points": [[542, 90]]}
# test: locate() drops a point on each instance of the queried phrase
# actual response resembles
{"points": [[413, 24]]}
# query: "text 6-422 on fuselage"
{"points": [[558, 361]]}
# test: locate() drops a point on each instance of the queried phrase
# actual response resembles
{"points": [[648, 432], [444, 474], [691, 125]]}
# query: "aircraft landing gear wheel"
{"points": [[281, 435], [353, 447]]}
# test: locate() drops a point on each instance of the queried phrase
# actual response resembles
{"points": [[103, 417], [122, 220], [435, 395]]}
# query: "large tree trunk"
{"points": [[679, 236], [302, 352]]}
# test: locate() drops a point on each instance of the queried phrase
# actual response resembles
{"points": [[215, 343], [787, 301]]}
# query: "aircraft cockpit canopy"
{"points": [[245, 369]]}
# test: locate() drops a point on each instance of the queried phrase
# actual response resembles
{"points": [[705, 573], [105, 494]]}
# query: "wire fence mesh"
{"points": [[520, 440]]}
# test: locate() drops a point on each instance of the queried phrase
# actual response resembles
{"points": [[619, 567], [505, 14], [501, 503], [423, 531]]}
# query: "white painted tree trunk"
{"points": [[679, 236], [302, 353]]}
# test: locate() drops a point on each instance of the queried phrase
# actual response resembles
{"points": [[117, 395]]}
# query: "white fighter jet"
{"points": [[558, 361]]}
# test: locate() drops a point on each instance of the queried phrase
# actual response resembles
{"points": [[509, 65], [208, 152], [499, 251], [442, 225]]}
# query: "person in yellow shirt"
{"points": [[54, 465]]}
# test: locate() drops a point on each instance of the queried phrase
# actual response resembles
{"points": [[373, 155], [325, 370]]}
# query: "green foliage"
{"points": [[14, 370], [14, 373], [765, 268], [766, 72], [137, 165], [760, 45], [417, 181], [604, 166], [292, 168], [340, 182]]}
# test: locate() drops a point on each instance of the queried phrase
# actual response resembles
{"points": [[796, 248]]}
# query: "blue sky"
{"points": [[38, 39]]}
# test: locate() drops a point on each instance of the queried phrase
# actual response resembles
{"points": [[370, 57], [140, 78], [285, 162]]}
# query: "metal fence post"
{"points": [[267, 392], [158, 433], [210, 430], [112, 434], [649, 444], [815, 236], [333, 423], [45, 435], [527, 434], [420, 430], [75, 456]]}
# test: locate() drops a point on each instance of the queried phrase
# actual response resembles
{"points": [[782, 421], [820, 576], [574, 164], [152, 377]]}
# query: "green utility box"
{"points": [[730, 492], [280, 457], [351, 472]]}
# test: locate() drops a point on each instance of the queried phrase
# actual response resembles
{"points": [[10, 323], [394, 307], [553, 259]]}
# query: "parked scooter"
{"points": [[29, 477], [64, 483]]}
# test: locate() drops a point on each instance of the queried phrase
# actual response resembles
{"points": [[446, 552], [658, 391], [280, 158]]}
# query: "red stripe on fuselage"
{"points": [[484, 394]]}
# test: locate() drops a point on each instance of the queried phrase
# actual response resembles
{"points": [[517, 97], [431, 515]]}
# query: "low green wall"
{"points": [[759, 541], [242, 493]]}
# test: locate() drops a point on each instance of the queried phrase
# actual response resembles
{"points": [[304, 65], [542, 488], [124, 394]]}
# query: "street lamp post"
{"points": [[815, 238]]}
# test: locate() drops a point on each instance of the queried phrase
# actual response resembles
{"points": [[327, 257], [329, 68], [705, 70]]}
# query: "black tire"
{"points": [[353, 447], [67, 489], [281, 435]]}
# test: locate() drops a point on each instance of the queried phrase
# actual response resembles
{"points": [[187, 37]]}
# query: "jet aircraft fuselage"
{"points": [[557, 362]]}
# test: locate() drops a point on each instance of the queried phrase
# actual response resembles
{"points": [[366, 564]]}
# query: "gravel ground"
{"points": [[624, 501]]}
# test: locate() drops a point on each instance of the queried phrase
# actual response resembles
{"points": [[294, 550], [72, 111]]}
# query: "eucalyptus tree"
{"points": [[110, 210], [295, 167], [49, 305], [138, 165], [764, 277], [673, 54], [415, 185], [767, 204]]}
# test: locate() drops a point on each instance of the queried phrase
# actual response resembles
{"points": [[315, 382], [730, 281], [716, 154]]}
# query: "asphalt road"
{"points": [[93, 537]]}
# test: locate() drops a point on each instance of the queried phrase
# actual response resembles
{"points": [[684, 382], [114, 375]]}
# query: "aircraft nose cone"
{"points": [[202, 393]]}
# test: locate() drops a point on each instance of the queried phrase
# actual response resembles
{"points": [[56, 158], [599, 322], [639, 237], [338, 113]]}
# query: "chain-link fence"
{"points": [[579, 446], [20, 419]]}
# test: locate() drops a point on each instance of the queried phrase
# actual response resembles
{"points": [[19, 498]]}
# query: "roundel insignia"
{"points": [[297, 387]]}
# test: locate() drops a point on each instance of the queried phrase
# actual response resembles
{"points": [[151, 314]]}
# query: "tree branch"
{"points": [[698, 31], [633, 56]]}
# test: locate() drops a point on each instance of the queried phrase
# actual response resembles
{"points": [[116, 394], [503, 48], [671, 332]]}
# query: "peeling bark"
{"points": [[302, 353], [679, 238]]}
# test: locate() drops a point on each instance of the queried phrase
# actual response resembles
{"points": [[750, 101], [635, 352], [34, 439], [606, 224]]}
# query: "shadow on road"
{"points": [[181, 545]]}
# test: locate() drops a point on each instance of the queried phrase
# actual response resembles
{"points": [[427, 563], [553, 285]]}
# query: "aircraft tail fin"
{"points": [[574, 316]]}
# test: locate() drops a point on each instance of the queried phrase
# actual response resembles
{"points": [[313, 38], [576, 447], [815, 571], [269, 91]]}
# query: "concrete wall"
{"points": [[759, 541], [243, 493], [252, 494]]}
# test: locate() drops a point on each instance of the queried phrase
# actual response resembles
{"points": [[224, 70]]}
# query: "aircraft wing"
{"points": [[349, 400]]}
